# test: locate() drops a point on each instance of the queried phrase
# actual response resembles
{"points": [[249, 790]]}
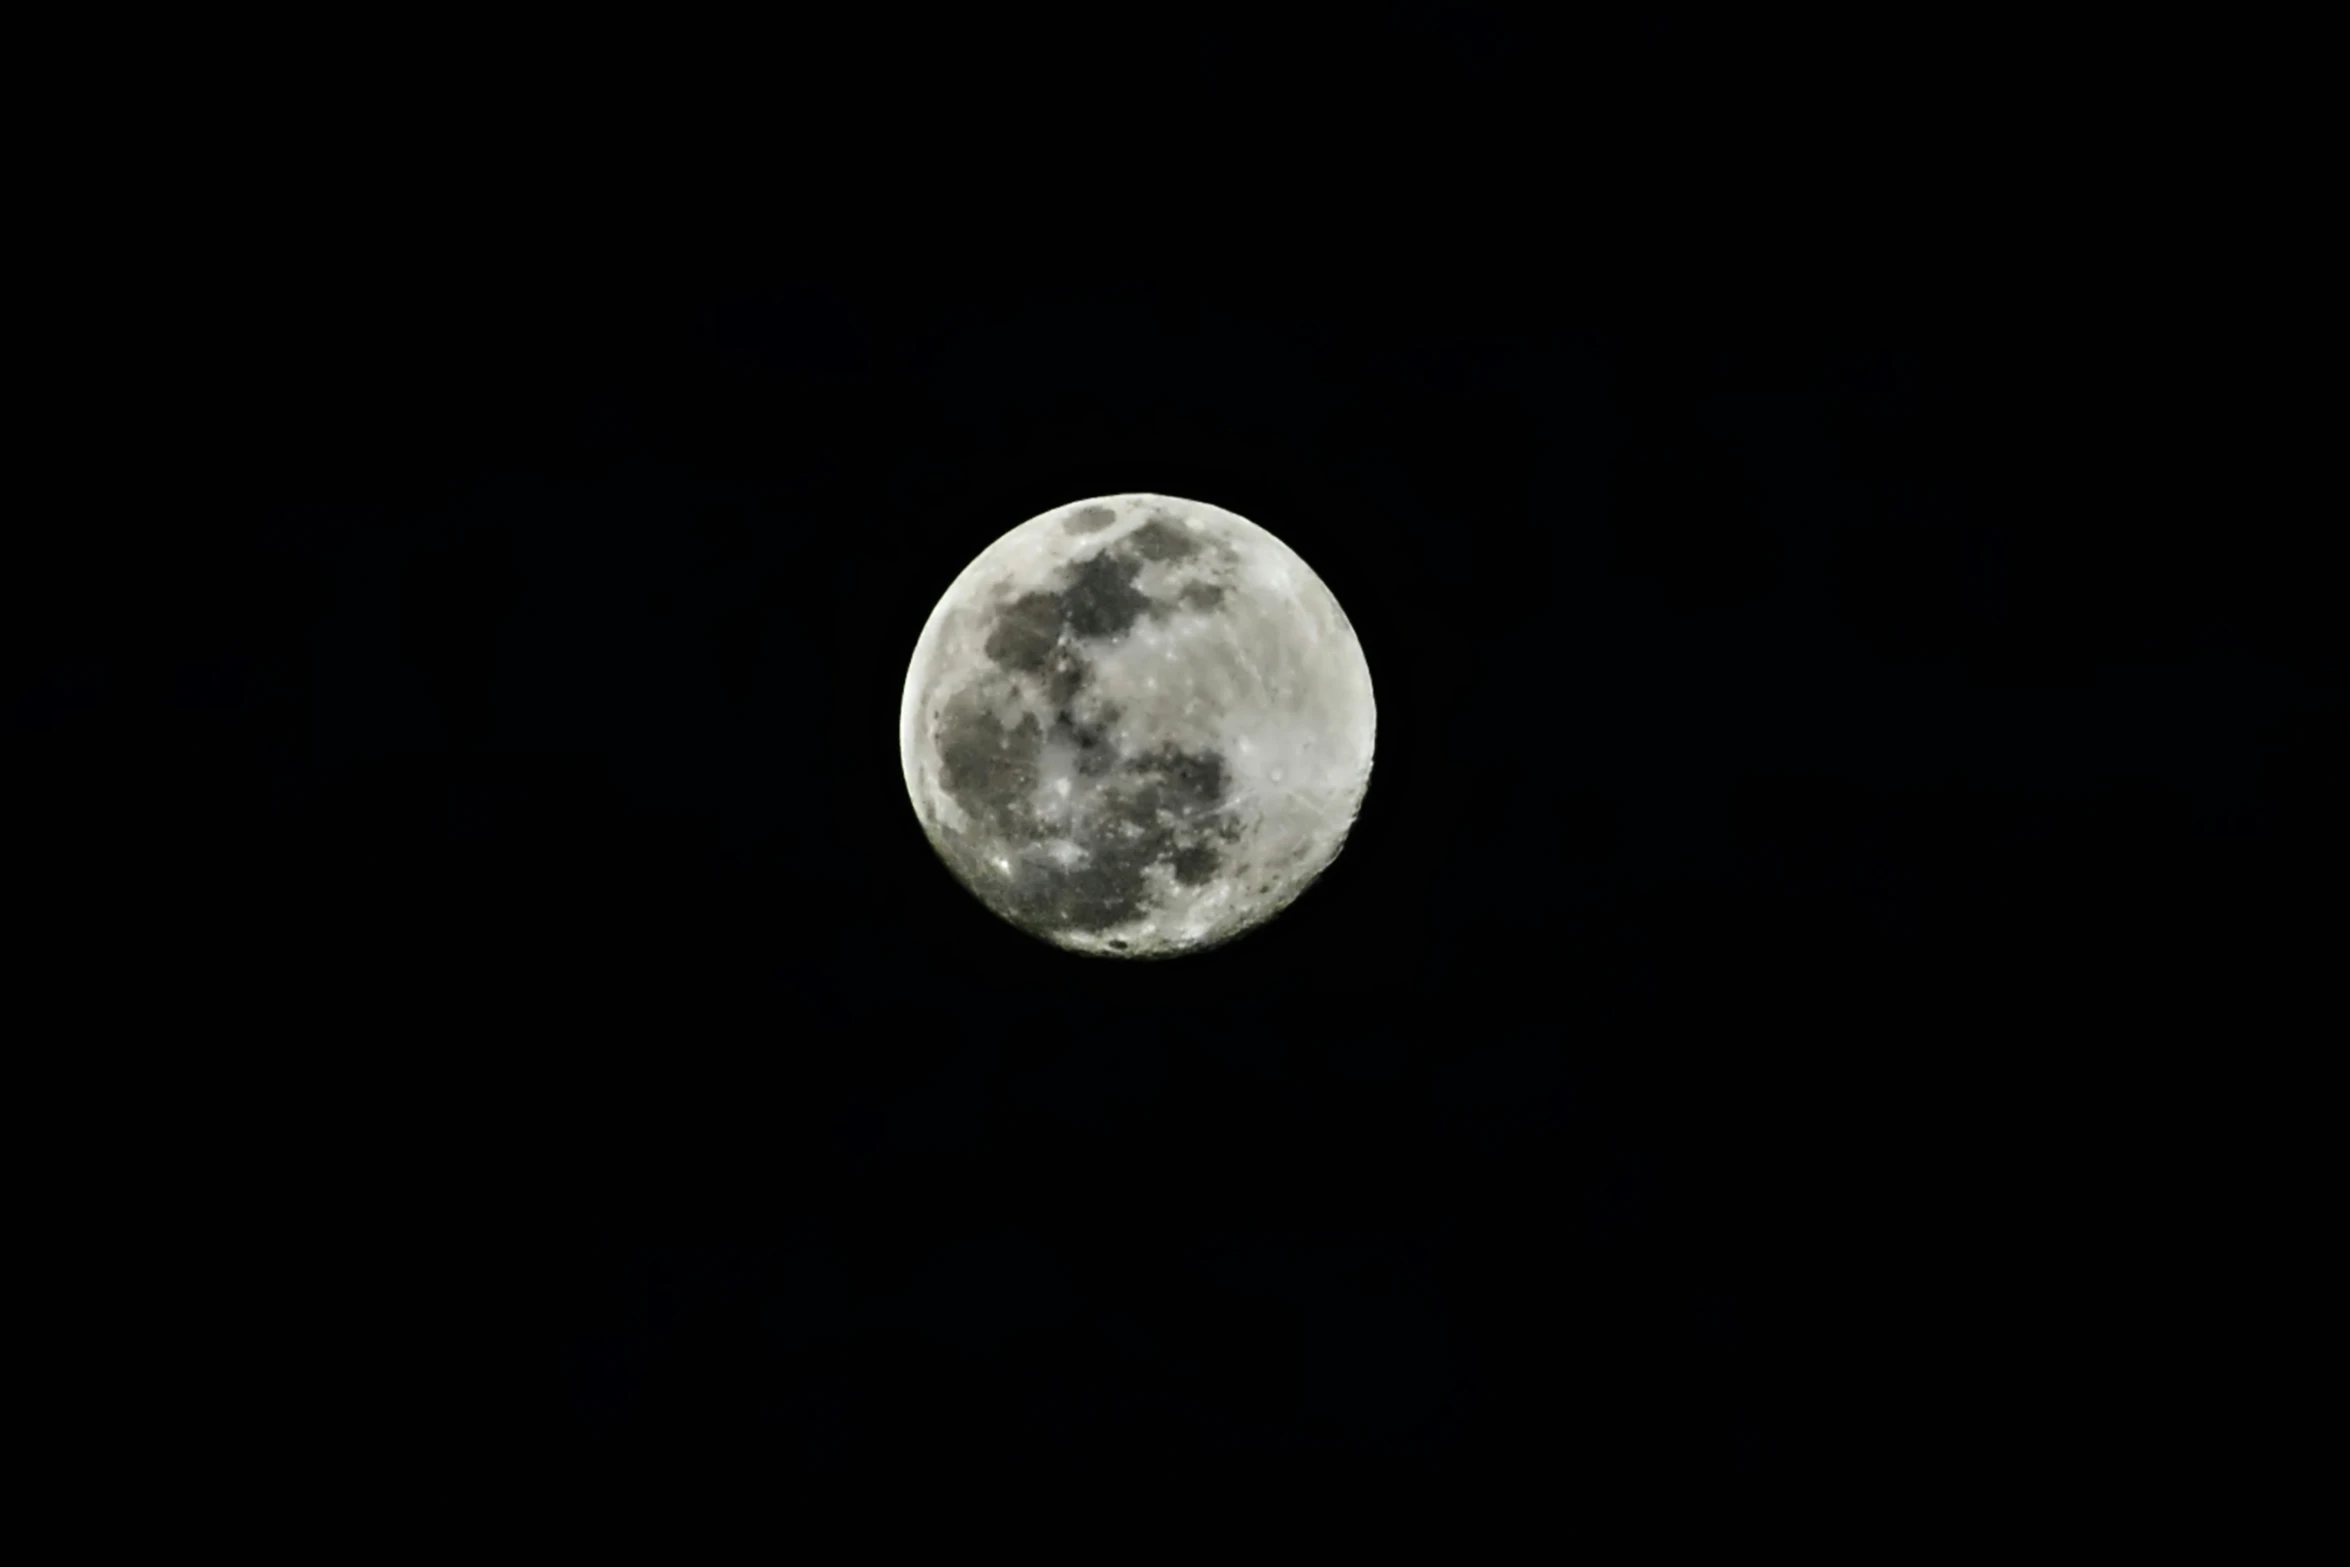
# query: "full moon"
{"points": [[1137, 726]]}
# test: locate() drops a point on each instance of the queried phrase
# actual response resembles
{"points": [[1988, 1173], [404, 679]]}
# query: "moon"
{"points": [[1137, 726]]}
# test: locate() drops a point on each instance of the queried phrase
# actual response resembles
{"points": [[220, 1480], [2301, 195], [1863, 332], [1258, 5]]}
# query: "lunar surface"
{"points": [[1137, 726]]}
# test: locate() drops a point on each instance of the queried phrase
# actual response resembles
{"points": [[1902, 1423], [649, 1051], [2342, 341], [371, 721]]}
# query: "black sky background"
{"points": [[1848, 794]]}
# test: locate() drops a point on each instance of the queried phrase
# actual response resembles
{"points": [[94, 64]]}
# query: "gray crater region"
{"points": [[1137, 726]]}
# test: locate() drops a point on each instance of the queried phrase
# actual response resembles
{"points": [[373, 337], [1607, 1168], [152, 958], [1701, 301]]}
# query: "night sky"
{"points": [[1846, 786]]}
